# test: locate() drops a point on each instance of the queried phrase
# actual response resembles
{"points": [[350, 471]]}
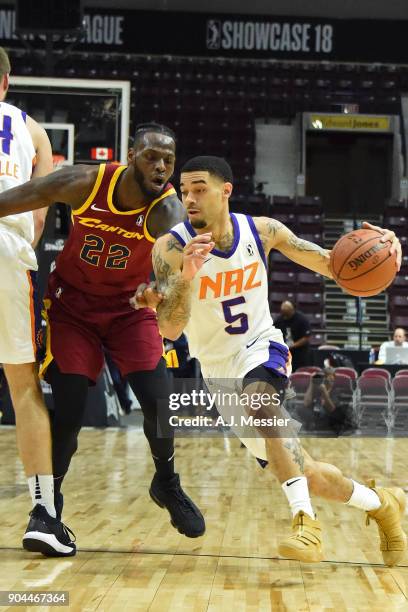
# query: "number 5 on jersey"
{"points": [[242, 328]]}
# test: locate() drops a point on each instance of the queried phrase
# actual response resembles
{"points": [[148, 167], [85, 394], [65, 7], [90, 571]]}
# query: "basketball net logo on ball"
{"points": [[361, 264]]}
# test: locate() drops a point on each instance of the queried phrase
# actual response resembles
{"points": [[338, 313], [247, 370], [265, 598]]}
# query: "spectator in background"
{"points": [[296, 333], [398, 341], [324, 407]]}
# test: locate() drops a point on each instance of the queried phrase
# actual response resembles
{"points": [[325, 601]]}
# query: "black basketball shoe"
{"points": [[184, 514], [48, 535]]}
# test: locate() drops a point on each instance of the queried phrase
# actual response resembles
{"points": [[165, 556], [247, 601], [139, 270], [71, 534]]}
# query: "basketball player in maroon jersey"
{"points": [[117, 212]]}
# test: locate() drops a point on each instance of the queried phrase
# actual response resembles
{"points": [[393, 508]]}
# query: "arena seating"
{"points": [[213, 103], [309, 370], [400, 392], [378, 403], [377, 373], [193, 95], [350, 372]]}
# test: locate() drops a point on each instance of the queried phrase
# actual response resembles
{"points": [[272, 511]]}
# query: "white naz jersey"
{"points": [[16, 161], [231, 329]]}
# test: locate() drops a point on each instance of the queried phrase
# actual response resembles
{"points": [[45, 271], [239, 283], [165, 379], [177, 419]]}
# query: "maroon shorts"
{"points": [[81, 325]]}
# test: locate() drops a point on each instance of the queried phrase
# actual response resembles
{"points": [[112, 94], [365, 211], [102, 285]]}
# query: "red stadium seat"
{"points": [[317, 238], [281, 263], [350, 372], [309, 205], [400, 322], [400, 392], [286, 218], [316, 319], [399, 285], [300, 382], [397, 302], [374, 400], [376, 373], [344, 384], [310, 278], [309, 281], [310, 224], [309, 370], [401, 373], [283, 279], [310, 298], [282, 204]]}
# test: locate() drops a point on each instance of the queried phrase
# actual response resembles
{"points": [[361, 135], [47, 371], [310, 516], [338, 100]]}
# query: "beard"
{"points": [[140, 180], [198, 224]]}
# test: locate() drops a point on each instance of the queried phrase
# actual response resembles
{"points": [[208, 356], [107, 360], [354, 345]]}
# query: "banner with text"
{"points": [[362, 123], [162, 32]]}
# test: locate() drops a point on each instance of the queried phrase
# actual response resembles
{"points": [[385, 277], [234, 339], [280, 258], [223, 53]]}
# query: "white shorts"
{"points": [[17, 319], [225, 378]]}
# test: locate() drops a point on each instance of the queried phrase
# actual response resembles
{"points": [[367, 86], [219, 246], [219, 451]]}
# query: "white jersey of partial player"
{"points": [[230, 328], [16, 162]]}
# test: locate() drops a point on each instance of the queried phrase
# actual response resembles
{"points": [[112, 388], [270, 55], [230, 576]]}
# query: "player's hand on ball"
{"points": [[195, 254], [146, 296], [388, 235]]}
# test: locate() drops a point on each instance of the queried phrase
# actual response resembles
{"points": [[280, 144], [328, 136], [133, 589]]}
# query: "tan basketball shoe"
{"points": [[305, 543], [388, 518]]}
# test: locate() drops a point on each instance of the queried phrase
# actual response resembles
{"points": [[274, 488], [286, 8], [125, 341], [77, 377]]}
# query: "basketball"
{"points": [[361, 264]]}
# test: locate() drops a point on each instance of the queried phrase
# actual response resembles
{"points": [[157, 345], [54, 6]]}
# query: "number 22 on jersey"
{"points": [[93, 252]]}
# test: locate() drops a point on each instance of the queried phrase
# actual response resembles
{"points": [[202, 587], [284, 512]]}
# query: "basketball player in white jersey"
{"points": [[211, 271], [24, 144]]}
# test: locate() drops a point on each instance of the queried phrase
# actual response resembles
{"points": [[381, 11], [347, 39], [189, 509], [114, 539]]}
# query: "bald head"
{"points": [[287, 310], [399, 336]]}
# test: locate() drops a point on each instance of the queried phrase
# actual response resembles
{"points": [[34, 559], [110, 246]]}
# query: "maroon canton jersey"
{"points": [[108, 250]]}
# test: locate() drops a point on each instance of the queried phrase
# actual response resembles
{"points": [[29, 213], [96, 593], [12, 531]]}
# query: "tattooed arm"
{"points": [[174, 268], [173, 312], [275, 235]]}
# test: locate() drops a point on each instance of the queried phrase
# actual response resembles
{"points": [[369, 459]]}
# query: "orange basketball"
{"points": [[361, 264]]}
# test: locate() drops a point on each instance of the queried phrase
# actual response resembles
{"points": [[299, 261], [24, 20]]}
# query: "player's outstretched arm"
{"points": [[174, 268], [165, 215], [71, 185], [275, 235]]}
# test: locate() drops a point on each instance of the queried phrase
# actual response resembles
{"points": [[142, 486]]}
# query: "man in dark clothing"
{"points": [[325, 405], [296, 332]]}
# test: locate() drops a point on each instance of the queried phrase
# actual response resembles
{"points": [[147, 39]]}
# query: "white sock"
{"points": [[297, 492], [42, 492], [364, 498]]}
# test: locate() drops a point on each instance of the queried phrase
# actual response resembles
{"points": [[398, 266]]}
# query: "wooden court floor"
{"points": [[130, 558]]}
